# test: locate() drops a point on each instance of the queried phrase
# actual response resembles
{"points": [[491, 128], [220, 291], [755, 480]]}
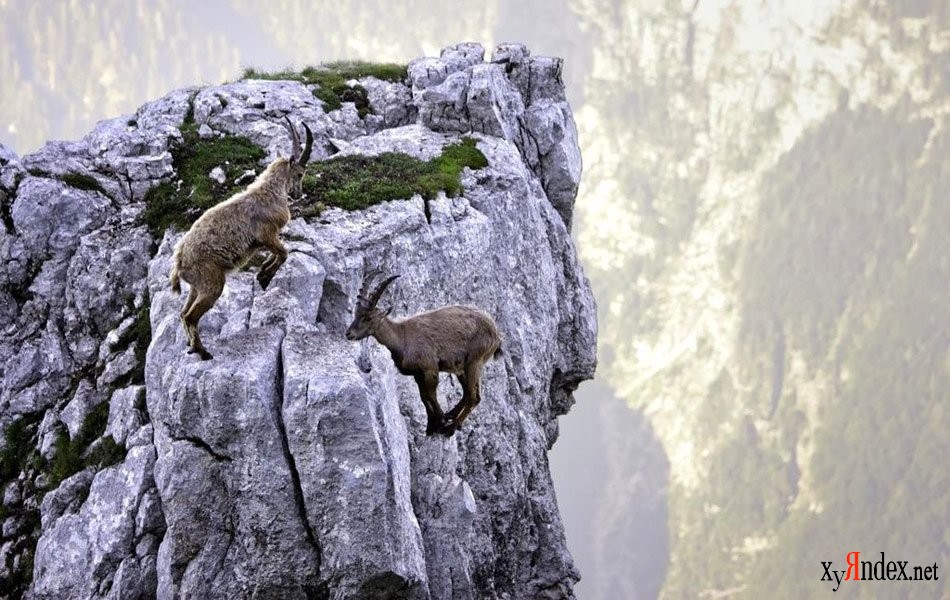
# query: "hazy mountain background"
{"points": [[765, 216]]}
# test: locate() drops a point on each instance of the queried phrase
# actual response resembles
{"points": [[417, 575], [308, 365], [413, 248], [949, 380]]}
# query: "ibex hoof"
{"points": [[444, 426], [205, 355], [264, 281], [448, 427]]}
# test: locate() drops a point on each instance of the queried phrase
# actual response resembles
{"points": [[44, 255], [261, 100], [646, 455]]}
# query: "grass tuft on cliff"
{"points": [[139, 334], [348, 182], [17, 444], [357, 182], [331, 79], [70, 453], [80, 181], [194, 158], [83, 182]]}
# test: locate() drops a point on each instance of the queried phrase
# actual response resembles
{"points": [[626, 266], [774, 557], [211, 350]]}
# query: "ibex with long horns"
{"points": [[453, 339], [228, 234]]}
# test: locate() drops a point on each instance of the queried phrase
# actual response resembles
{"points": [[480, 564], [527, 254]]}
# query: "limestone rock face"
{"points": [[516, 97], [295, 464]]}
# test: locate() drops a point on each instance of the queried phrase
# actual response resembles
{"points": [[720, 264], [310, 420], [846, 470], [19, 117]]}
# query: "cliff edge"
{"points": [[294, 464]]}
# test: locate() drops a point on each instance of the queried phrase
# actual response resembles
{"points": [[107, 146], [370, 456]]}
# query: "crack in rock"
{"points": [[277, 410], [201, 444]]}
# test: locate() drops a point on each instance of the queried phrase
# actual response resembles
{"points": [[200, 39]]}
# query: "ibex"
{"points": [[454, 339], [228, 234]]}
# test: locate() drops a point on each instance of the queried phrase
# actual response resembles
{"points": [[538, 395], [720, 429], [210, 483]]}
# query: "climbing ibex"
{"points": [[228, 234], [454, 339]]}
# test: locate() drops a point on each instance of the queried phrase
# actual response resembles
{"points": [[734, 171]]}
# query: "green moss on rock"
{"points": [[193, 158], [20, 576], [18, 441], [66, 459], [331, 79], [83, 182], [356, 69], [357, 182], [105, 454], [139, 334], [70, 457], [80, 181], [348, 182]]}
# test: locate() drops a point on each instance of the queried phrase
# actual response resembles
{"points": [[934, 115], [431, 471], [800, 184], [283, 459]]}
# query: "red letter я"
{"points": [[853, 561]]}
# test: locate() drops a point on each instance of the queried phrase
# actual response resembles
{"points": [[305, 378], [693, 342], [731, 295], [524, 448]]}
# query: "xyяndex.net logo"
{"points": [[879, 570]]}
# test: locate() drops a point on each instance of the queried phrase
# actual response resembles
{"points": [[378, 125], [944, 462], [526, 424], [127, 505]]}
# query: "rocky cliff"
{"points": [[295, 463]]}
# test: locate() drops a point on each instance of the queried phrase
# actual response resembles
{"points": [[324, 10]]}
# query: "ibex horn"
{"points": [[368, 278], [305, 157], [295, 138], [380, 289]]}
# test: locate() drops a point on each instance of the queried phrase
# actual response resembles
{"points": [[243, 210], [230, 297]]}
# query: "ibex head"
{"points": [[298, 159], [367, 317]]}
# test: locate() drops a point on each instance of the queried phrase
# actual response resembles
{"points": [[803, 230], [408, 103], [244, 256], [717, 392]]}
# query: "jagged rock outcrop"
{"points": [[295, 463]]}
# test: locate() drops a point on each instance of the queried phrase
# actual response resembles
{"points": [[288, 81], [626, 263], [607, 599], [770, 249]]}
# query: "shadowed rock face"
{"points": [[295, 463]]}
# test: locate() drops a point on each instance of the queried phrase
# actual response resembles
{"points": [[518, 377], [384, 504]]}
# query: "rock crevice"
{"points": [[278, 412]]}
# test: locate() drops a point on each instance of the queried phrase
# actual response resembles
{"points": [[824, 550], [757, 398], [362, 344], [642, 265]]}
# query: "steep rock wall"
{"points": [[295, 463]]}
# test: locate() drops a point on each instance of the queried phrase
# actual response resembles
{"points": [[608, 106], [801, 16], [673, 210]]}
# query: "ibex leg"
{"points": [[208, 293], [192, 296], [428, 390], [277, 258], [471, 395]]}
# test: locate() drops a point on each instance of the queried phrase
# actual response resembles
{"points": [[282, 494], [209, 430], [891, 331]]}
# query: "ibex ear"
{"points": [[387, 310]]}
